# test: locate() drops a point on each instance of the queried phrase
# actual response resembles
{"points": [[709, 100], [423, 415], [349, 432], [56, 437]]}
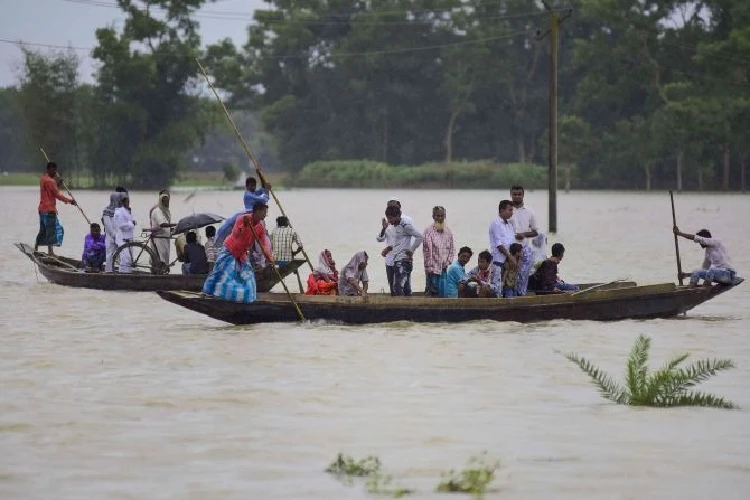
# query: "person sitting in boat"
{"points": [[211, 248], [717, 266], [194, 256], [110, 231], [233, 278], [284, 241], [354, 278], [324, 280], [455, 276], [125, 225], [94, 250], [253, 194], [546, 279], [512, 286], [484, 280]]}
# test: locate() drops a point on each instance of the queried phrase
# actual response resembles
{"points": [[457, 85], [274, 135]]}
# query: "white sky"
{"points": [[73, 22]]}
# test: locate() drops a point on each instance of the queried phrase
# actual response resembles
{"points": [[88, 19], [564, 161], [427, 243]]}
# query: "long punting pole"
{"points": [[44, 153], [676, 244], [248, 152]]}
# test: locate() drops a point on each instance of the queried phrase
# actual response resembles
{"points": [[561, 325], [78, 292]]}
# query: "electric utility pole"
{"points": [[554, 36]]}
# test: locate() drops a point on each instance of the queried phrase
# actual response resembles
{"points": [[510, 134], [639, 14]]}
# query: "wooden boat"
{"points": [[68, 272], [602, 302]]}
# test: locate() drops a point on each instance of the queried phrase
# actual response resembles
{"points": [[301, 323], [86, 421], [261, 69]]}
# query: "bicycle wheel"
{"points": [[135, 257]]}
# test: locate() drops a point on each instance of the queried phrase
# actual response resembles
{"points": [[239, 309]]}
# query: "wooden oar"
{"points": [[66, 187], [676, 244], [249, 153]]}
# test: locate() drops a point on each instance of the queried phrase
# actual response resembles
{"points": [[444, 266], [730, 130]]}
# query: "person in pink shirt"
{"points": [[438, 249]]}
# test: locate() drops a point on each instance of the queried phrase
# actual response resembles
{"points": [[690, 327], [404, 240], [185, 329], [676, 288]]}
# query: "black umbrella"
{"points": [[196, 221]]}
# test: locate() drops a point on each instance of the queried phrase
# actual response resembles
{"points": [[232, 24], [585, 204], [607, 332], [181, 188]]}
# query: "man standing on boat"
{"points": [[717, 266], [387, 234], [253, 194], [406, 240], [160, 219], [526, 228], [502, 235], [48, 196], [438, 248]]}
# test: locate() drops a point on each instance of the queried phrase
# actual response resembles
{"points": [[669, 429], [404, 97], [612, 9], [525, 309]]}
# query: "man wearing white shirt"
{"points": [[526, 228], [406, 240], [125, 224], [387, 235], [717, 267], [502, 236]]}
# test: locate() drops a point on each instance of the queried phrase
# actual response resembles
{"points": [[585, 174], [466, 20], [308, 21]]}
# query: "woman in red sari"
{"points": [[324, 280]]}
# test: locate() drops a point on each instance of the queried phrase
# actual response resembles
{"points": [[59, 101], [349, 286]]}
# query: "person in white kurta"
{"points": [[125, 224], [161, 220], [110, 231]]}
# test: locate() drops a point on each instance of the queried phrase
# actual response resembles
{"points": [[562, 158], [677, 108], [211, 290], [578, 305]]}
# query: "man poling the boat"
{"points": [[717, 266], [48, 222], [233, 278]]}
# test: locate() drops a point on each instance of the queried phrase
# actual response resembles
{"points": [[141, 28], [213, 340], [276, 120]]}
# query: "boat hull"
{"points": [[630, 302], [67, 272]]}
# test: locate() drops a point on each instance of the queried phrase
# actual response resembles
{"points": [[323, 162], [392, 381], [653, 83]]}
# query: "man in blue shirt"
{"points": [[456, 274], [254, 194]]}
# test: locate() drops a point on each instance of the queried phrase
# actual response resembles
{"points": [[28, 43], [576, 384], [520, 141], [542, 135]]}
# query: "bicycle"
{"points": [[143, 257]]}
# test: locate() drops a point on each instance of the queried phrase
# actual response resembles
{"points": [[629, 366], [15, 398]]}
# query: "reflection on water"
{"points": [[121, 395]]}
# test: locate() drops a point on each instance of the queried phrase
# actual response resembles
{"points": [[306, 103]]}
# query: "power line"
{"points": [[401, 50], [249, 17]]}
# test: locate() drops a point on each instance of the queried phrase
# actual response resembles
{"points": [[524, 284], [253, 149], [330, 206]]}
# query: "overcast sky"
{"points": [[73, 22]]}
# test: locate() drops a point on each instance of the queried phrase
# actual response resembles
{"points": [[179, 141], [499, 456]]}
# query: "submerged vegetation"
{"points": [[666, 387], [474, 479]]}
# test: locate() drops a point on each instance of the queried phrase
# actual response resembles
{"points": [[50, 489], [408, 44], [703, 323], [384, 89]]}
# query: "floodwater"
{"points": [[121, 395]]}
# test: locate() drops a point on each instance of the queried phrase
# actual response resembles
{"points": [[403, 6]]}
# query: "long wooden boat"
{"points": [[68, 272], [610, 302]]}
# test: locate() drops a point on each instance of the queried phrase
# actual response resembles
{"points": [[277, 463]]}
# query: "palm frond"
{"points": [[683, 379], [691, 398], [606, 384], [637, 367], [675, 362]]}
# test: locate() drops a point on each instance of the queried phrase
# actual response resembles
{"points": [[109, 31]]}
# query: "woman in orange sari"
{"points": [[324, 280]]}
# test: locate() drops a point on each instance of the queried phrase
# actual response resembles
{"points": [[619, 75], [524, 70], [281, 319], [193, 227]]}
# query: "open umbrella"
{"points": [[196, 221]]}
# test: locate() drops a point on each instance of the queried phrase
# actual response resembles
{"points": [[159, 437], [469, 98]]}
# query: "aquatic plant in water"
{"points": [[668, 386], [474, 479], [370, 467]]}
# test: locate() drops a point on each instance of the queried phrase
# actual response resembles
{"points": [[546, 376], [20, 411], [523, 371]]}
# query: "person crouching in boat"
{"points": [[94, 250], [324, 280], [717, 267], [233, 277], [484, 281], [354, 273]]}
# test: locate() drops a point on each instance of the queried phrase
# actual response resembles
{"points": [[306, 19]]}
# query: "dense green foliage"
{"points": [[668, 386], [365, 173], [652, 93]]}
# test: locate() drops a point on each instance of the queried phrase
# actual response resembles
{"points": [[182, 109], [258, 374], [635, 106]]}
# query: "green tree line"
{"points": [[652, 93]]}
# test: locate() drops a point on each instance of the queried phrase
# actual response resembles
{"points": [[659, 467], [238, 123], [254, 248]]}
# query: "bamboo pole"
{"points": [[249, 153], [676, 244], [44, 153]]}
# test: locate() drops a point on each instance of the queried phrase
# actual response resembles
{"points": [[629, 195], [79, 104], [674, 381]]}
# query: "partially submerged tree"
{"points": [[668, 386]]}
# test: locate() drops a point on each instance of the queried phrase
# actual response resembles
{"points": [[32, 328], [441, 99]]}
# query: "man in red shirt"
{"points": [[48, 196]]}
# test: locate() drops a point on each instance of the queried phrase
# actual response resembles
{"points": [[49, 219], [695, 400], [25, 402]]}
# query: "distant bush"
{"points": [[465, 175]]}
